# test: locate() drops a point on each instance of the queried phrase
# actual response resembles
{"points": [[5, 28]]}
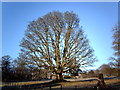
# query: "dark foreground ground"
{"points": [[90, 84]]}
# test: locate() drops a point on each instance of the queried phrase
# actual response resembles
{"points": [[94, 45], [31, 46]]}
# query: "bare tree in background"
{"points": [[116, 47], [57, 43], [106, 69]]}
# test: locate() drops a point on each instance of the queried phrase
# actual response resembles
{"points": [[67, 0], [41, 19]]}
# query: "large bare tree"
{"points": [[57, 43]]}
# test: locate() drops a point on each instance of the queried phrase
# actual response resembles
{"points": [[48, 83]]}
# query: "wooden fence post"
{"points": [[50, 87], [75, 87], [61, 87], [101, 83], [41, 87]]}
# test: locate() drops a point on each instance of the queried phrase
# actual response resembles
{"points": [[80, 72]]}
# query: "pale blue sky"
{"points": [[97, 20]]}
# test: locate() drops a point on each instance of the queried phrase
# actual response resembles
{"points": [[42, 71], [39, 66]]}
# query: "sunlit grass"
{"points": [[87, 83], [112, 81], [64, 84]]}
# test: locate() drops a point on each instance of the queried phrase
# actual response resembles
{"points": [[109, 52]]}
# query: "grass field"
{"points": [[88, 83], [70, 84], [23, 83]]}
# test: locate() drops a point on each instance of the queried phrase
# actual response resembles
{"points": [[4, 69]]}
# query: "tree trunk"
{"points": [[59, 77], [56, 76]]}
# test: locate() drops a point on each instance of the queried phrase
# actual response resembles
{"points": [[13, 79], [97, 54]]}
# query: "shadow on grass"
{"points": [[31, 86]]}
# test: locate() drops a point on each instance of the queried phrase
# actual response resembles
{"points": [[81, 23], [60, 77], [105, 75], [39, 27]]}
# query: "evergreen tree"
{"points": [[6, 68]]}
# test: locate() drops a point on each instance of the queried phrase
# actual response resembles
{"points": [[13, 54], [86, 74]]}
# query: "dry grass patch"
{"points": [[112, 81], [87, 83], [77, 83]]}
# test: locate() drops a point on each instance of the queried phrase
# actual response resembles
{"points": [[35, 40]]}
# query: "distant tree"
{"points": [[24, 71], [76, 72], [91, 73], [97, 72], [57, 43], [106, 69], [38, 74], [21, 70], [115, 70], [116, 47], [6, 68]]}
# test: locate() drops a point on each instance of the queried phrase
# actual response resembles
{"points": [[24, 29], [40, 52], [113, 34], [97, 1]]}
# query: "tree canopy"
{"points": [[57, 43]]}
